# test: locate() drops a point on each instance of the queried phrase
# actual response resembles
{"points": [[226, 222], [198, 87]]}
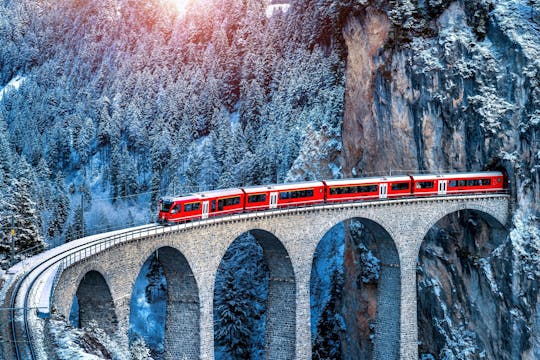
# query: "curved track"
{"points": [[20, 328], [67, 254]]}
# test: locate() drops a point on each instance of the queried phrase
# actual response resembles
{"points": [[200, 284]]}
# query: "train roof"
{"points": [[366, 180], [204, 195], [277, 187], [457, 175], [179, 198], [218, 193]]}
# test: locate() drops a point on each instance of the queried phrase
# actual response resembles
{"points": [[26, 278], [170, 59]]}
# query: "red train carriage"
{"points": [[299, 194], [276, 196], [201, 205], [230, 201], [367, 188], [260, 198], [460, 183]]}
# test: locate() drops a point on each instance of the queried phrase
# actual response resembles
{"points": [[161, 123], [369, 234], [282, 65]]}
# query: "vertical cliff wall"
{"points": [[456, 87]]}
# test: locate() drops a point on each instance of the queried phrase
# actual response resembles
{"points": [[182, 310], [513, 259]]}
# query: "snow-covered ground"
{"points": [[13, 84]]}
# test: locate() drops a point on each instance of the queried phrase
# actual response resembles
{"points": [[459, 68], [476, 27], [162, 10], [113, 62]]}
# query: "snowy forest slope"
{"points": [[122, 101], [106, 105]]}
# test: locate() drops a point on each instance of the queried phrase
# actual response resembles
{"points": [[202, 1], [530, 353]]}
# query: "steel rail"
{"points": [[48, 263], [83, 250]]}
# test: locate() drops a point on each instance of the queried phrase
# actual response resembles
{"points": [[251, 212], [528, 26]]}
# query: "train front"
{"points": [[164, 210]]}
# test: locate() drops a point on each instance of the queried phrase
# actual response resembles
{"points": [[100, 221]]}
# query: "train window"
{"points": [[296, 194], [257, 198], [367, 188], [486, 182], [228, 202], [461, 183], [452, 183], [166, 206], [353, 189], [400, 186], [192, 206], [425, 184], [176, 209]]}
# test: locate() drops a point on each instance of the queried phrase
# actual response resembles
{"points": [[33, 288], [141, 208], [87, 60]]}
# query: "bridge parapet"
{"points": [[297, 233]]}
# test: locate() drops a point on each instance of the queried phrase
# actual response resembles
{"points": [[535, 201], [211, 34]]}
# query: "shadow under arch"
{"points": [[462, 273], [182, 310], [369, 301], [93, 302], [280, 315]]}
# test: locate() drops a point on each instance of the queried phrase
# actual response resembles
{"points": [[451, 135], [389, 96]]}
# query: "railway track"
{"points": [[67, 254], [21, 333]]}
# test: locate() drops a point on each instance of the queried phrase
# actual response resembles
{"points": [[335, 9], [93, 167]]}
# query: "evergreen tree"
{"points": [[239, 302], [331, 326], [76, 228], [60, 211], [26, 221]]}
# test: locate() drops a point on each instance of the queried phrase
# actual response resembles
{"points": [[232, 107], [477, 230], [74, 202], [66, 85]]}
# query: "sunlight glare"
{"points": [[181, 5]]}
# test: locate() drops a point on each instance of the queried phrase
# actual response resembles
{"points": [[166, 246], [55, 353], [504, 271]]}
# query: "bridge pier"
{"points": [[206, 295], [289, 240], [408, 314], [303, 306]]}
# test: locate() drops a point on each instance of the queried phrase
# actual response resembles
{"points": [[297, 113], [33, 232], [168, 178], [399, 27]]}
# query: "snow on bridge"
{"points": [[108, 265]]}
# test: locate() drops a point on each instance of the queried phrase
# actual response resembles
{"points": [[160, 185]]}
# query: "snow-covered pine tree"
{"points": [[240, 295], [60, 212], [330, 327], [26, 221]]}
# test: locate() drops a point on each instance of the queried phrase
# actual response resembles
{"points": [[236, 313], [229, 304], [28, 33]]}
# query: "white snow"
{"points": [[525, 239], [514, 17], [492, 108], [486, 268], [428, 55], [13, 84], [275, 8]]}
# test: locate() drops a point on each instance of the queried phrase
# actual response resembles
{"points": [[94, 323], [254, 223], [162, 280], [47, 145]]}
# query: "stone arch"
{"points": [[460, 281], [182, 324], [280, 331], [385, 310], [496, 220], [95, 302]]}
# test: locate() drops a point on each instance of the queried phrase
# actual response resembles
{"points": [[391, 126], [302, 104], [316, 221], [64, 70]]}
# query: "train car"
{"points": [[284, 195], [201, 205], [367, 188], [459, 183], [256, 198], [259, 198]]}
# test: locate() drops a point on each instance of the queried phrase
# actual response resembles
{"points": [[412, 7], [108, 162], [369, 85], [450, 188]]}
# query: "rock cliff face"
{"points": [[456, 87]]}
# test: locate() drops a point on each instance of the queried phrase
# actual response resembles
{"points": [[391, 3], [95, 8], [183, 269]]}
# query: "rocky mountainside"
{"points": [[455, 86], [106, 105]]}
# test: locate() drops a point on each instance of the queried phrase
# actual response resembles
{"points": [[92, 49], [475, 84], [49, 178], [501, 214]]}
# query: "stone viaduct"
{"points": [[190, 256]]}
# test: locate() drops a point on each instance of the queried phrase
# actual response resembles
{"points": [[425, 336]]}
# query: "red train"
{"points": [[256, 198]]}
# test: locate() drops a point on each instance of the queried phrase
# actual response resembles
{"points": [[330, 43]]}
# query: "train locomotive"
{"points": [[203, 205]]}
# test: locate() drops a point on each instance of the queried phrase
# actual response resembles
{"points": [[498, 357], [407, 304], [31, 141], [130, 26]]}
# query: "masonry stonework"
{"points": [[289, 240]]}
